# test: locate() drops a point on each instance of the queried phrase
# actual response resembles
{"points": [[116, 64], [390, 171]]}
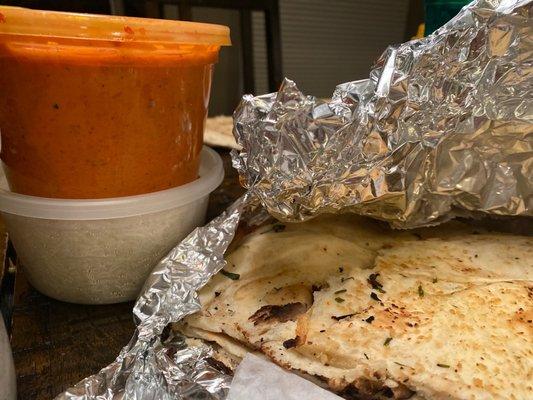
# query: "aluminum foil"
{"points": [[156, 365], [443, 124]]}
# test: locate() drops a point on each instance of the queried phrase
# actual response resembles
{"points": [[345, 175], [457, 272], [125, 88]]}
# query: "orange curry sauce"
{"points": [[102, 119]]}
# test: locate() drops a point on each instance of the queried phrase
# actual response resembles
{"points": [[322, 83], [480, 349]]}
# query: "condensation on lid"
{"points": [[17, 21]]}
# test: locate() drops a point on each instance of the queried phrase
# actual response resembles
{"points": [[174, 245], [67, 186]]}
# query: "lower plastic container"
{"points": [[8, 388], [101, 251]]}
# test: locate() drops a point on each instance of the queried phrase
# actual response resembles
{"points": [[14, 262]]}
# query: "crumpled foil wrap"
{"points": [[444, 124], [152, 367]]}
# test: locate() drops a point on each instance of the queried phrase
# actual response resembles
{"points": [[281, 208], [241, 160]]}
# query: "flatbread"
{"points": [[219, 132], [442, 313]]}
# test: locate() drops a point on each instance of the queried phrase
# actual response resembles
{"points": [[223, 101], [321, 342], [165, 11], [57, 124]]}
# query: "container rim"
{"points": [[25, 22], [211, 175]]}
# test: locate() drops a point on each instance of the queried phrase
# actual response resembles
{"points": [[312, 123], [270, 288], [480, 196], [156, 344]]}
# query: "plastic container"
{"points": [[8, 388], [96, 106], [101, 251]]}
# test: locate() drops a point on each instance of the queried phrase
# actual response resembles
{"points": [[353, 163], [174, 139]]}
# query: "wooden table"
{"points": [[57, 344]]}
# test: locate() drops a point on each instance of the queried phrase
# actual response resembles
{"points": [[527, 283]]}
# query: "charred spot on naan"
{"points": [[371, 390], [297, 293], [219, 365], [273, 313]]}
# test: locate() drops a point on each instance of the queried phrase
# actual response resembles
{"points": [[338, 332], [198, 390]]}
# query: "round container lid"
{"points": [[211, 175], [61, 25]]}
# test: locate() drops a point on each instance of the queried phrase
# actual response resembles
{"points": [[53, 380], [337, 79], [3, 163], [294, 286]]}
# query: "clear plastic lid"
{"points": [[16, 21]]}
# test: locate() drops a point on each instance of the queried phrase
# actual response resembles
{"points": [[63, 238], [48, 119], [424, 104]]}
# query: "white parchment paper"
{"points": [[258, 379]]}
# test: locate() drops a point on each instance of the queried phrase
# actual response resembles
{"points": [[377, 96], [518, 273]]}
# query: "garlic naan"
{"points": [[441, 313]]}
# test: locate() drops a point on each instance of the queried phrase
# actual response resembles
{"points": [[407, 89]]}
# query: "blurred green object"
{"points": [[438, 12]]}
